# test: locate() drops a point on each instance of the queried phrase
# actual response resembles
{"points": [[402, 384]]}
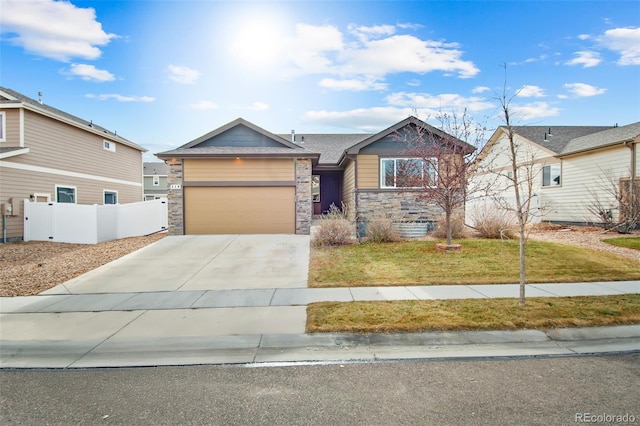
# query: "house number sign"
{"points": [[176, 186]]}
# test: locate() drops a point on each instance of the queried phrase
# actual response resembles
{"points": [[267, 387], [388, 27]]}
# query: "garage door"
{"points": [[240, 210]]}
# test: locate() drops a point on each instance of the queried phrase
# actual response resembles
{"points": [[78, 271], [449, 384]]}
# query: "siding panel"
{"points": [[349, 186], [368, 172], [239, 170], [60, 146]]}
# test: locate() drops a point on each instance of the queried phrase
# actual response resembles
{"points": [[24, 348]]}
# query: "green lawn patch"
{"points": [[472, 314], [628, 242], [479, 262]]}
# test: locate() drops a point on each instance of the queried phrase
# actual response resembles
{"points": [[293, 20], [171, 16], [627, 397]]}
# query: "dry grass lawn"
{"points": [[479, 262], [472, 314]]}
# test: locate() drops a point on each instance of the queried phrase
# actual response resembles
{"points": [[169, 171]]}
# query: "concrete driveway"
{"points": [[201, 262]]}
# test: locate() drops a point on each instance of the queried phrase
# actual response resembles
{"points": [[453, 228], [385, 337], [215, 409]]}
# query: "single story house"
{"points": [[573, 169], [241, 178], [49, 155]]}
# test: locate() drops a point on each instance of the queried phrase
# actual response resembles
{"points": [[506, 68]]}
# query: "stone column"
{"points": [[175, 198], [304, 204]]}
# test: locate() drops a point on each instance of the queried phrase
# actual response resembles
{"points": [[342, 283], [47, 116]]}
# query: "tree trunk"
{"points": [[523, 269], [448, 223]]}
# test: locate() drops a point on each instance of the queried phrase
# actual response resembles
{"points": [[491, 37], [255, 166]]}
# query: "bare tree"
{"points": [[520, 176], [612, 194], [438, 162]]}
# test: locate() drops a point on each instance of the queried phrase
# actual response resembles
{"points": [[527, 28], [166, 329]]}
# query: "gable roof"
{"points": [[602, 139], [557, 137], [411, 120], [11, 97], [281, 148]]}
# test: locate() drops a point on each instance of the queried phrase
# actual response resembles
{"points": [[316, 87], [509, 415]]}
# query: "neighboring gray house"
{"points": [[155, 180]]}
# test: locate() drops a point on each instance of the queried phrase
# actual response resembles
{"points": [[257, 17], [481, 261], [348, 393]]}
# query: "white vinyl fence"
{"points": [[92, 224]]}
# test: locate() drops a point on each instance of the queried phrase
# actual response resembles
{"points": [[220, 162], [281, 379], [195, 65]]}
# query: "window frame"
{"points": [[109, 145], [75, 194], [109, 191], [155, 180], [3, 126], [424, 165], [550, 179]]}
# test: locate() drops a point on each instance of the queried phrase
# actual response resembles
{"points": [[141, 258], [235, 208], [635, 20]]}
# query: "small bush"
{"points": [[334, 229], [457, 227], [491, 222], [381, 230]]}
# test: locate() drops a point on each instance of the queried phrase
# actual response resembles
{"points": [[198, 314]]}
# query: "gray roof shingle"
{"points": [[602, 139], [329, 146], [154, 168], [559, 136]]}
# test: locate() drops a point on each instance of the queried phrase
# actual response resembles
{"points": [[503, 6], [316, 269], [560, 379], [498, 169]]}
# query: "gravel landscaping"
{"points": [[28, 268]]}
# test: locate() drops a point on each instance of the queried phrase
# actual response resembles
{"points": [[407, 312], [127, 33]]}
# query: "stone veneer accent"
{"points": [[399, 206], [304, 205], [175, 198]]}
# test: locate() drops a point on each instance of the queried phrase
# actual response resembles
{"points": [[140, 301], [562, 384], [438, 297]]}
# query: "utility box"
{"points": [[10, 208]]}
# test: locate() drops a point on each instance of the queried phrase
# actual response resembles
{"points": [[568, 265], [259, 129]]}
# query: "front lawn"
{"points": [[472, 314], [479, 262], [628, 242]]}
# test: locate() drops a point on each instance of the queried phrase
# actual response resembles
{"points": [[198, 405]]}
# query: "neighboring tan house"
{"points": [[155, 180], [49, 155], [241, 178], [572, 167]]}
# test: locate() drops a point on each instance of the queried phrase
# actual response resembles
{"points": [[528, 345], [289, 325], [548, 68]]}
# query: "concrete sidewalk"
{"points": [[267, 326]]}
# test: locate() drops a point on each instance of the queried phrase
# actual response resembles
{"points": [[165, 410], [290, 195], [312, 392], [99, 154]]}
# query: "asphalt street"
{"points": [[530, 391]]}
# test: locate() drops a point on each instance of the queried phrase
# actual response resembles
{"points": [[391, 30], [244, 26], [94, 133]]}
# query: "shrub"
{"points": [[334, 228], [457, 227], [380, 230], [491, 222]]}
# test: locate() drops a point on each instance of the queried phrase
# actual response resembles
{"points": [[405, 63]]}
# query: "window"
{"points": [[551, 175], [2, 127], [65, 194], [110, 197], [406, 173], [109, 146], [156, 180], [315, 188]]}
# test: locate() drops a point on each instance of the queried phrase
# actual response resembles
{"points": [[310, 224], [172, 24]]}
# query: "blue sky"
{"points": [[161, 73]]}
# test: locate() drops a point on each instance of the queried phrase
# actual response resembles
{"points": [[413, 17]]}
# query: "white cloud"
{"points": [[90, 73], [361, 119], [352, 84], [585, 58], [414, 82], [584, 37], [374, 52], [366, 33], [309, 48], [54, 29], [183, 75], [406, 53], [121, 98], [625, 41], [259, 106], [534, 110], [583, 90], [480, 89], [203, 105], [529, 91], [434, 104]]}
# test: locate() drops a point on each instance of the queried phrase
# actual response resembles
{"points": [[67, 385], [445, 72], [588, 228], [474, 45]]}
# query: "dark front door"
{"points": [[330, 191]]}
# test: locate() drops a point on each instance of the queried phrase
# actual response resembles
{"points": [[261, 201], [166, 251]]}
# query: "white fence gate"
{"points": [[92, 224]]}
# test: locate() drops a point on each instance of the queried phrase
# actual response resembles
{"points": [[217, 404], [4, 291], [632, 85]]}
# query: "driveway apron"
{"points": [[201, 262]]}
